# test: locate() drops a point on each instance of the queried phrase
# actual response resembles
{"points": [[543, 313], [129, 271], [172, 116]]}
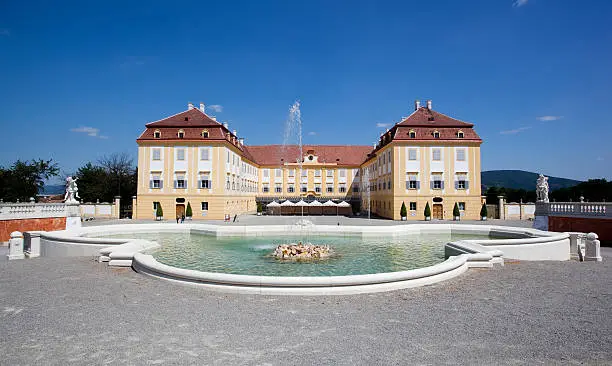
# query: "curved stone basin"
{"points": [[527, 244]]}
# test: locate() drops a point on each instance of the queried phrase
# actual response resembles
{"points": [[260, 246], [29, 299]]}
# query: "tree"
{"points": [[483, 210], [456, 212], [427, 211], [259, 207], [119, 167], [188, 211], [93, 184], [403, 211], [24, 179], [159, 213]]}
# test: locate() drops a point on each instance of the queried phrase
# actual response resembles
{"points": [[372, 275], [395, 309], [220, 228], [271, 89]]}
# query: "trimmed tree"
{"points": [[403, 211], [259, 207], [427, 211], [188, 211], [456, 212], [483, 210], [159, 213]]}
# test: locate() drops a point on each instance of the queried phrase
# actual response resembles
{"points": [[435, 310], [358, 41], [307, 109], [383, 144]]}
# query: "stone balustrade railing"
{"points": [[574, 209], [15, 211]]}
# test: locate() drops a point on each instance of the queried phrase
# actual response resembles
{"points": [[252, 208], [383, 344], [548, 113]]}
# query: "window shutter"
{"points": [[210, 184], [151, 184], [407, 184], [442, 184], [161, 184], [418, 184], [185, 183], [175, 183], [456, 184], [431, 184], [467, 184], [199, 183]]}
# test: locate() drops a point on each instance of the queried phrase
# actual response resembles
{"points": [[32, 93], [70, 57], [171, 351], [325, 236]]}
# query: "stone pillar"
{"points": [[73, 215], [31, 241], [592, 248], [577, 246], [15, 246], [502, 207], [134, 207], [117, 207], [540, 221]]}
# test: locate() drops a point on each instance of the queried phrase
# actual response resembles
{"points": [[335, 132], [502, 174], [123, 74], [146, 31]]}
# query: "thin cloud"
{"points": [[514, 131], [89, 131], [519, 3], [218, 108], [599, 158], [383, 125], [549, 118], [5, 32], [131, 62], [312, 133]]}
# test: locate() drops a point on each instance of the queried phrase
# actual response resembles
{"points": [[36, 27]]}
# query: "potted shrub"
{"points": [[159, 213], [483, 212], [456, 212], [427, 212], [188, 211], [403, 212], [259, 208]]}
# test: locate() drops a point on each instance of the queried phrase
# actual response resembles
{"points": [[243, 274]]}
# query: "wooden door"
{"points": [[180, 210], [437, 212]]}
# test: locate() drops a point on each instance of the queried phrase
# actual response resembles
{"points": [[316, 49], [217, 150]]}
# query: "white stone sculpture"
{"points": [[542, 188], [72, 191]]}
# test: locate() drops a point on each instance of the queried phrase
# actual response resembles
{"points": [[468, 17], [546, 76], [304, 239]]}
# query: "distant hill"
{"points": [[519, 179], [52, 189]]}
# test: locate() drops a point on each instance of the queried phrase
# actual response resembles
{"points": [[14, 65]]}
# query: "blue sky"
{"points": [[78, 82]]}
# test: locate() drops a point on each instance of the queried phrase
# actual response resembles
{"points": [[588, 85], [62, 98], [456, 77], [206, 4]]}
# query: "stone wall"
{"points": [[601, 226], [30, 224]]}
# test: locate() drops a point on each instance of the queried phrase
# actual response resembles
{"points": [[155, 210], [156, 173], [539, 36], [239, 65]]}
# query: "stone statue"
{"points": [[542, 188], [72, 191]]}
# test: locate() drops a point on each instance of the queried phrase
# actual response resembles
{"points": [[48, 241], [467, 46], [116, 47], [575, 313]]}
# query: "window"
{"points": [[266, 188], [291, 189], [342, 188], [389, 185], [461, 182], [436, 135], [317, 172], [155, 204], [330, 173], [278, 188], [318, 188], [205, 182], [436, 154], [205, 134], [278, 173], [156, 153], [342, 173], [228, 157], [204, 206], [180, 182], [461, 206], [156, 182], [412, 154], [292, 172], [356, 189], [180, 154], [460, 134], [227, 183], [330, 188], [436, 182], [266, 173], [205, 154], [412, 134], [181, 134], [157, 134], [460, 154], [304, 173], [413, 206], [304, 189]]}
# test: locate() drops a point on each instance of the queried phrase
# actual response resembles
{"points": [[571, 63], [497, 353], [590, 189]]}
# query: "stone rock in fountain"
{"points": [[301, 251]]}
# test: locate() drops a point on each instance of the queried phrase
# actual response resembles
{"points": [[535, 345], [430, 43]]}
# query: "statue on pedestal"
{"points": [[542, 188], [72, 191]]}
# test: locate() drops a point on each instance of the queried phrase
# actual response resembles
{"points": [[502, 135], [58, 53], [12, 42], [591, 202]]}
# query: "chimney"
{"points": [[190, 105], [429, 104], [235, 132], [202, 107], [417, 105], [213, 118], [226, 125], [241, 141]]}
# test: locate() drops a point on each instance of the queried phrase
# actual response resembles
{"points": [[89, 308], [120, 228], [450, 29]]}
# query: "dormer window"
{"points": [[460, 134], [205, 133], [412, 134], [157, 134], [436, 135], [181, 134], [186, 119]]}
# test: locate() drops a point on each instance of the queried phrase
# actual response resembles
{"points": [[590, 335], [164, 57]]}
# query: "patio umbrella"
{"points": [[287, 203], [330, 203], [301, 203], [274, 204], [342, 204], [316, 204]]}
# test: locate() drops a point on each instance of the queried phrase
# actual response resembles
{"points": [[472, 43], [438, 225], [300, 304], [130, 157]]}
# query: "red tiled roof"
{"points": [[191, 133], [347, 155], [428, 117], [427, 133], [189, 118]]}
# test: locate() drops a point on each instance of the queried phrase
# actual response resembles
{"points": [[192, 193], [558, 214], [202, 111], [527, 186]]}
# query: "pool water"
{"points": [[353, 255]]}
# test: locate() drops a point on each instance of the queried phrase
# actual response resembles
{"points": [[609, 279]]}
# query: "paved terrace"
{"points": [[76, 311]]}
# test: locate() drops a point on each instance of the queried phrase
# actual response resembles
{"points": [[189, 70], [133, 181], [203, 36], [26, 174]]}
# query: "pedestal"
{"points": [[541, 223], [73, 215], [15, 246]]}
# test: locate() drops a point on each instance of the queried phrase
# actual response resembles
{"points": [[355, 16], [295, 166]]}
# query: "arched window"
{"points": [[460, 134], [412, 134], [181, 134], [157, 134], [205, 133], [436, 134]]}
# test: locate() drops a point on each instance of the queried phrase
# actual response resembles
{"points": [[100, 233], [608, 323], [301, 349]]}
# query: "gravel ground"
{"points": [[59, 311]]}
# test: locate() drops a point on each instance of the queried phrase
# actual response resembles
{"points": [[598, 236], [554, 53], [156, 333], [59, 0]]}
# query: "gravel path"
{"points": [[76, 311]]}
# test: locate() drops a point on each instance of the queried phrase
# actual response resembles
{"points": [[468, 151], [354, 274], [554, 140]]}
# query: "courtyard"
{"points": [[78, 311]]}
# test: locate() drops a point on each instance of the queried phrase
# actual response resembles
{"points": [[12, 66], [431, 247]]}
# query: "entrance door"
{"points": [[180, 210], [438, 213]]}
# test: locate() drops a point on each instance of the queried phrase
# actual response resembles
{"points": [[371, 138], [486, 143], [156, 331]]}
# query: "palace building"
{"points": [[427, 157]]}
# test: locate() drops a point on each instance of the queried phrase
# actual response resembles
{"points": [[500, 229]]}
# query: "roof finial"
{"points": [[429, 104], [417, 105]]}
